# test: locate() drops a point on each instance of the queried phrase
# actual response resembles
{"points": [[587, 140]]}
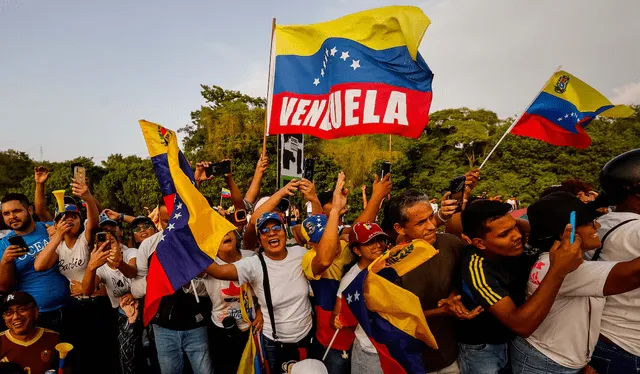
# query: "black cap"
{"points": [[550, 215], [141, 219], [17, 298], [621, 175], [325, 197]]}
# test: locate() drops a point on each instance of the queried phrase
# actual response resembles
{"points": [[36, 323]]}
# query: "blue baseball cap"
{"points": [[103, 219], [263, 219], [313, 227], [68, 208]]}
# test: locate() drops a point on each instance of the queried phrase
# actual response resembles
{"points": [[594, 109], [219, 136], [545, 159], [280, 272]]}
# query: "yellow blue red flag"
{"points": [[391, 316], [359, 74], [194, 232], [563, 109]]}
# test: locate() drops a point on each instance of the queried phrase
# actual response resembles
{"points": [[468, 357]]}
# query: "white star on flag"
{"points": [[345, 55], [316, 81], [324, 64], [348, 299], [355, 64], [179, 206], [177, 215], [333, 51], [566, 116], [560, 119], [356, 296], [162, 238], [170, 227]]}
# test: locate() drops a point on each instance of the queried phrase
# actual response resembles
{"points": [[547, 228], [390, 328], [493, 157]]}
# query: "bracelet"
{"points": [[122, 217], [442, 219]]}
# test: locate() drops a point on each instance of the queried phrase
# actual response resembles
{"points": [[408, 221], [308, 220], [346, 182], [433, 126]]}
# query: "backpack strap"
{"points": [[267, 296], [596, 255]]}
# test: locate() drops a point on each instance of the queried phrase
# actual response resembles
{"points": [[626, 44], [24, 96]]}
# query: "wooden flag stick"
{"points": [[518, 119], [269, 87], [389, 147]]}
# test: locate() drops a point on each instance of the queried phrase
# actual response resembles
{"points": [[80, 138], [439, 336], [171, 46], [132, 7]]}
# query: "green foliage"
{"points": [[230, 125]]}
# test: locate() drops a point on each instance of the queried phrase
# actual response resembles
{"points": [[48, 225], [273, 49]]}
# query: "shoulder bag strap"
{"points": [[267, 295], [596, 255]]}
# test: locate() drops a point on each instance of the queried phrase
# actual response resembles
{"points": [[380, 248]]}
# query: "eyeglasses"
{"points": [[274, 228], [142, 226], [20, 310]]}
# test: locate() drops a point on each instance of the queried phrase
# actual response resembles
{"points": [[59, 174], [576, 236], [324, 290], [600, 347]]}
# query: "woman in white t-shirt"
{"points": [[229, 333], [368, 242], [565, 340], [108, 264]]}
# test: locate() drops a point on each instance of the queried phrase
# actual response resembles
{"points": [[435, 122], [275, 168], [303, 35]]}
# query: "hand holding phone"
{"points": [[456, 188], [79, 173], [386, 169], [101, 237], [309, 165], [219, 168], [19, 241]]}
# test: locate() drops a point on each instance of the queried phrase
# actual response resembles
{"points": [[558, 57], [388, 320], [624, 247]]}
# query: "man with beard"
{"points": [[49, 288]]}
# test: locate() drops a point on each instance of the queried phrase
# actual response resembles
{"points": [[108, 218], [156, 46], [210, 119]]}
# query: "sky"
{"points": [[75, 76]]}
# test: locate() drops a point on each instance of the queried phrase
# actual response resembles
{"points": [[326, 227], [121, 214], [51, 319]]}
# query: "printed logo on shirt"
{"points": [[74, 263], [534, 277], [45, 356], [34, 249], [231, 293]]}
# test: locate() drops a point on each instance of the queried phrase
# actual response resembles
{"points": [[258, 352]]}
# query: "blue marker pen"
{"points": [[572, 221]]}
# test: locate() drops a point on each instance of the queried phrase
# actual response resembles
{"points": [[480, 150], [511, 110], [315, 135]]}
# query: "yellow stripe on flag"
{"points": [[378, 29]]}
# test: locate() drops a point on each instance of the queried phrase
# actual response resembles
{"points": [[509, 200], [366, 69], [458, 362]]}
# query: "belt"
{"points": [[604, 339]]}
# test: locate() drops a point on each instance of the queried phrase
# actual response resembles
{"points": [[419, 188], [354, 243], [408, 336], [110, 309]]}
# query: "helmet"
{"points": [[621, 176]]}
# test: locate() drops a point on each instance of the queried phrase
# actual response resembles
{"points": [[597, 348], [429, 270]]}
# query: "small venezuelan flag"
{"points": [[225, 193], [194, 232], [391, 316], [563, 109], [359, 74]]}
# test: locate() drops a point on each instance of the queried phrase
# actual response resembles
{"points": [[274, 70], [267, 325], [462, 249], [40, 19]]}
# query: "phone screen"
{"points": [[19, 241], [101, 237], [386, 169], [309, 165]]}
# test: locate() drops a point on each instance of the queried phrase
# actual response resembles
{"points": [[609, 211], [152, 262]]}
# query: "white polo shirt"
{"points": [[569, 333], [621, 315]]}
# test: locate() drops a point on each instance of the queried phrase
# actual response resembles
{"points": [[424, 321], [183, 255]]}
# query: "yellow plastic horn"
{"points": [[63, 349], [59, 194]]}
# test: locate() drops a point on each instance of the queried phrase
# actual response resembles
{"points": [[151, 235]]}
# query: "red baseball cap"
{"points": [[363, 232]]}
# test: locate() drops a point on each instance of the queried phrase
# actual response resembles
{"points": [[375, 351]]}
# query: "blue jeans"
{"points": [[611, 359], [172, 345], [483, 358], [526, 359]]}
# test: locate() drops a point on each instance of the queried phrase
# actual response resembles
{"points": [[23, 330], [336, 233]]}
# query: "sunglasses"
{"points": [[20, 310], [142, 226], [274, 228]]}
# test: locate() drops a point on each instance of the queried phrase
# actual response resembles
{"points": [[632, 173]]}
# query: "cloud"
{"points": [[627, 94]]}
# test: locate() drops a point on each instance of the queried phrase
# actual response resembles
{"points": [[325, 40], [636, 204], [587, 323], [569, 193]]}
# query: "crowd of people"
{"points": [[553, 291]]}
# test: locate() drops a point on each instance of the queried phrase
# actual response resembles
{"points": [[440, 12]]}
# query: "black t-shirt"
{"points": [[431, 282], [486, 281], [180, 311]]}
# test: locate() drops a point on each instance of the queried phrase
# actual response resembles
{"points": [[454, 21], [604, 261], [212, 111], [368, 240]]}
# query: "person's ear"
{"points": [[30, 210], [399, 229], [478, 243], [357, 251]]}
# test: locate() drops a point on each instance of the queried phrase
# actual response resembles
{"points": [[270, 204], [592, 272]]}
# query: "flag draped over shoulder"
{"points": [[563, 109], [194, 232], [391, 316], [253, 356], [359, 74]]}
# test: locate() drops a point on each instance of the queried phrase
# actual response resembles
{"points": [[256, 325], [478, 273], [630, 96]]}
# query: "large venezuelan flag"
{"points": [[563, 109], [391, 316], [195, 230], [359, 74]]}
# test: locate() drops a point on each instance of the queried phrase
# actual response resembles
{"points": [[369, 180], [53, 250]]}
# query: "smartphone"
{"points": [[456, 187], [19, 241], [572, 221], [101, 237], [309, 165], [386, 169], [79, 173], [219, 168]]}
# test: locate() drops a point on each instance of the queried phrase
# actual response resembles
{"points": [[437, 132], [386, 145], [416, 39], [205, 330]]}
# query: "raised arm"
{"points": [[364, 197], [40, 203], [308, 190], [47, 258], [329, 245], [98, 258], [117, 216], [236, 194], [624, 277], [381, 188], [524, 320], [8, 267], [223, 272], [256, 182], [81, 190]]}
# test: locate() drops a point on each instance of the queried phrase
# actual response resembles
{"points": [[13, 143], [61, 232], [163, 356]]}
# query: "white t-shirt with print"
{"points": [[225, 297], [363, 339], [289, 293], [144, 252], [621, 315], [570, 331], [72, 262], [114, 281]]}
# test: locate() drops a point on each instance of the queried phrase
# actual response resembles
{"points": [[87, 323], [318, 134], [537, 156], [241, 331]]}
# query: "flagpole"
{"points": [[389, 147], [330, 344], [518, 118], [269, 87]]}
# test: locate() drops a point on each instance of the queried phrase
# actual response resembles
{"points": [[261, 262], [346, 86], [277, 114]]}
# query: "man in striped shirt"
{"points": [[494, 275]]}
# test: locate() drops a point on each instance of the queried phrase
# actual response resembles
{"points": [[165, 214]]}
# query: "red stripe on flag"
{"points": [[538, 127], [158, 286], [352, 109], [388, 363], [168, 202]]}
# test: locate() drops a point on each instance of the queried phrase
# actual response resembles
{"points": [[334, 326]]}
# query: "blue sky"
{"points": [[75, 76]]}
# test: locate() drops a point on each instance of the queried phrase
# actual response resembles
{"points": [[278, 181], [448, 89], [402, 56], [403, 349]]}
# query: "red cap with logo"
{"points": [[363, 232]]}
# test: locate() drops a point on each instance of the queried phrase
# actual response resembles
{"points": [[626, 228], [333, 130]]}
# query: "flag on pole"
{"points": [[225, 193], [563, 109], [359, 74], [194, 232], [391, 316]]}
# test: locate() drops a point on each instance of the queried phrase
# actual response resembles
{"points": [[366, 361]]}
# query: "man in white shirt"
{"points": [[618, 348]]}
